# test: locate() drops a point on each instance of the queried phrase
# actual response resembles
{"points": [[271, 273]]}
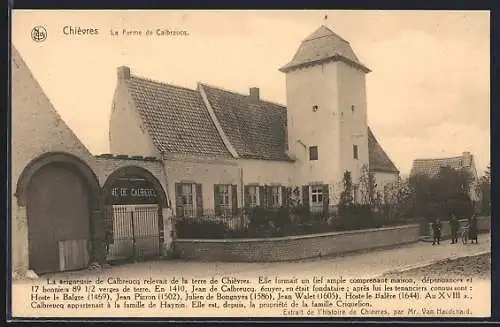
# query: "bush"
{"points": [[198, 228], [357, 216]]}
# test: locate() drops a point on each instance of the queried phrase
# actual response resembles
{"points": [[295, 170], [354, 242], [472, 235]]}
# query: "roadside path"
{"points": [[372, 263]]}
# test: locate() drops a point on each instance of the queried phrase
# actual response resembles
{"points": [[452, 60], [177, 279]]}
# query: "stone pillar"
{"points": [[19, 240], [169, 233], [98, 248]]}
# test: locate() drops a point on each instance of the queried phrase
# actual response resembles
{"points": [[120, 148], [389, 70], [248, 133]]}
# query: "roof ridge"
{"points": [[241, 94], [441, 158], [163, 83]]}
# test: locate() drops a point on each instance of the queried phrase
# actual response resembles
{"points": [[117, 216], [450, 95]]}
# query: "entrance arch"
{"points": [[61, 195], [133, 219]]}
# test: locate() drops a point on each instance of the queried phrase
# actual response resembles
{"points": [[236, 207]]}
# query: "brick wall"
{"points": [[295, 247]]}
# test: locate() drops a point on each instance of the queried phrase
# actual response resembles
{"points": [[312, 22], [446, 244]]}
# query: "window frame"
{"points": [[317, 196], [254, 196], [189, 209], [275, 196], [225, 190]]}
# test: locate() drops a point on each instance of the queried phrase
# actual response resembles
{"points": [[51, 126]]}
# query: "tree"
{"points": [[443, 194], [368, 188], [398, 199], [485, 191], [487, 173], [346, 197]]}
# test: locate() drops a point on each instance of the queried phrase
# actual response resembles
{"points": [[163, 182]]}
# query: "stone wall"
{"points": [[295, 247]]}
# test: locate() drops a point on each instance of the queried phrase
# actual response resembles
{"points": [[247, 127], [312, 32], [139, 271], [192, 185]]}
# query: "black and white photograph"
{"points": [[202, 163]]}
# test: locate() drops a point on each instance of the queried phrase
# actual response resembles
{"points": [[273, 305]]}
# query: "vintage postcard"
{"points": [[322, 164]]}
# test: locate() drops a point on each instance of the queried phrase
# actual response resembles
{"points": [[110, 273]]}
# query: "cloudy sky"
{"points": [[428, 92]]}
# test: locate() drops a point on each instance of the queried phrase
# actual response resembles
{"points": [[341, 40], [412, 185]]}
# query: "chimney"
{"points": [[254, 93], [123, 72], [467, 158]]}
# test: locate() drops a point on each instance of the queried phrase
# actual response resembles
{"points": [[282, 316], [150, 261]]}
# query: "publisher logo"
{"points": [[39, 34]]}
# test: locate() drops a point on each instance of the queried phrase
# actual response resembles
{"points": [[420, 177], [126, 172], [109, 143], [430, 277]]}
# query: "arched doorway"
{"points": [[60, 194], [133, 219]]}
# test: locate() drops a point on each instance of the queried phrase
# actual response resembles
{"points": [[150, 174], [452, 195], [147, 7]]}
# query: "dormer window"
{"points": [[315, 108]]}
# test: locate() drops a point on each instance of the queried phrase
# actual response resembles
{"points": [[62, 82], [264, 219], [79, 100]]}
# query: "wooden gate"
{"points": [[133, 232], [58, 220]]}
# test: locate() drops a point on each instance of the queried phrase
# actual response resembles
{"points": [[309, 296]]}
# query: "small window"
{"points": [[315, 108], [355, 151], [352, 108], [313, 153]]}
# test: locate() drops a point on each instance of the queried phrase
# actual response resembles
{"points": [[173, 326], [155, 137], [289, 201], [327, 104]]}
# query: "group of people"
{"points": [[471, 229]]}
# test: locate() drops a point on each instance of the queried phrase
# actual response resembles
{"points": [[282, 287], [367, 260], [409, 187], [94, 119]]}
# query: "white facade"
{"points": [[326, 107]]}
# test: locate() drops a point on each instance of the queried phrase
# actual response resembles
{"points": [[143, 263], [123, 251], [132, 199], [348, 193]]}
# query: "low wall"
{"points": [[483, 224], [294, 247]]}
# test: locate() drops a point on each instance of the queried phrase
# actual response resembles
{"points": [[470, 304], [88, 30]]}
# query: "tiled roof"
{"points": [[179, 122], [255, 128], [378, 159], [431, 167], [176, 118], [324, 45]]}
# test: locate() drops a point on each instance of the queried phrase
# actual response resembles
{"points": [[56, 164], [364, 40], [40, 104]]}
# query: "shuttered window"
{"points": [[189, 199], [275, 196], [226, 200], [251, 196]]}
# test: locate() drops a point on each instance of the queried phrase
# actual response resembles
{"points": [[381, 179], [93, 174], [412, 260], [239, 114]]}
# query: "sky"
{"points": [[428, 93]]}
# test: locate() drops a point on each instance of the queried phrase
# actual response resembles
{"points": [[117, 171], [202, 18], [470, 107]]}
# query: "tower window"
{"points": [[315, 108], [313, 153], [352, 108], [355, 151]]}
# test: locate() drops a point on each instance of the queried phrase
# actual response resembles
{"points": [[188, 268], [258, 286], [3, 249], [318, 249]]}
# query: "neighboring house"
{"points": [[223, 150], [431, 167]]}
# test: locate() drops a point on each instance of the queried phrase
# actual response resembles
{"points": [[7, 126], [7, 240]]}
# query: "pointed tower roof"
{"points": [[324, 45]]}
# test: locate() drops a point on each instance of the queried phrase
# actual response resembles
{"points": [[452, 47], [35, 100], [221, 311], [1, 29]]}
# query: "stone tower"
{"points": [[326, 109]]}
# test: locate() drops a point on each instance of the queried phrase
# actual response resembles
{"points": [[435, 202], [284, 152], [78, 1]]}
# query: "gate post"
{"points": [[98, 249], [161, 232], [134, 255]]}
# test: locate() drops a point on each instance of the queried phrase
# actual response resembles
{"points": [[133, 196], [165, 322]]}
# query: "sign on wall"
{"points": [[132, 190]]}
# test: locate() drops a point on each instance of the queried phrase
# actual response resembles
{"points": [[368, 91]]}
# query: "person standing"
{"points": [[473, 229], [436, 230], [454, 227]]}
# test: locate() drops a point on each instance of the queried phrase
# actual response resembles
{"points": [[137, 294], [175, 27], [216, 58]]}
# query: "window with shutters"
{"points": [[187, 197], [275, 197], [225, 198], [253, 196]]}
